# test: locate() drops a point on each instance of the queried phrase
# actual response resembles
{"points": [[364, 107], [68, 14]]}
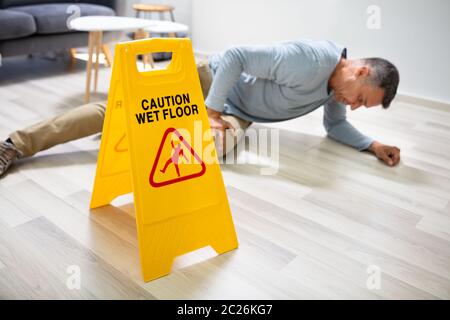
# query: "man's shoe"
{"points": [[8, 153]]}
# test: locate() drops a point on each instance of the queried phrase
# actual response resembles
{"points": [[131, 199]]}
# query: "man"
{"points": [[254, 84]]}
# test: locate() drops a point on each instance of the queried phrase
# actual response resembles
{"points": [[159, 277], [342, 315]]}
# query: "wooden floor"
{"points": [[311, 231]]}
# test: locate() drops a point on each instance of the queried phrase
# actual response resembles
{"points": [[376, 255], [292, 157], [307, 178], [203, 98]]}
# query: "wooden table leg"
{"points": [[89, 66], [98, 44], [138, 35], [146, 58], [149, 57], [108, 55]]}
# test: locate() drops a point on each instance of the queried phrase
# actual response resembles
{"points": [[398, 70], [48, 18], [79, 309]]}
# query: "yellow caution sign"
{"points": [[157, 143]]}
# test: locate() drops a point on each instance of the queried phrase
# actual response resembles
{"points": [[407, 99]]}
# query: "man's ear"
{"points": [[362, 71]]}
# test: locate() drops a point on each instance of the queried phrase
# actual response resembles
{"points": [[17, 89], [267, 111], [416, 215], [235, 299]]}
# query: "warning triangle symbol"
{"points": [[169, 165]]}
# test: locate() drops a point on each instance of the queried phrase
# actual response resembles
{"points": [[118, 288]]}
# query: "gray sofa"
{"points": [[30, 26]]}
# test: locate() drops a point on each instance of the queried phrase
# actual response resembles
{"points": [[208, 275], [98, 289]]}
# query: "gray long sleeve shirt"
{"points": [[281, 82]]}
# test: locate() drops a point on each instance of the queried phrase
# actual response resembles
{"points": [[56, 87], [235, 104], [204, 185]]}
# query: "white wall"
{"points": [[414, 34]]}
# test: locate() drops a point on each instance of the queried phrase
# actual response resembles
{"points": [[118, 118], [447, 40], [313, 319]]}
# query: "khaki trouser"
{"points": [[87, 119]]}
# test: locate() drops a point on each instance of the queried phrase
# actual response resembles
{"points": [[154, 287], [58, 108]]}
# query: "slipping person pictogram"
{"points": [[175, 157], [179, 148]]}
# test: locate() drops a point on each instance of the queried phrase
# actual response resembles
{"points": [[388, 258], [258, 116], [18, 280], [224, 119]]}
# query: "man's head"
{"points": [[365, 82]]}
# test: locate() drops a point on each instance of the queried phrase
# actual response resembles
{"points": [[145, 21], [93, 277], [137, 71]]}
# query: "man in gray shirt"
{"points": [[289, 80], [254, 84]]}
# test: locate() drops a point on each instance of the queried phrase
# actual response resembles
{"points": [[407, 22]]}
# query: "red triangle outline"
{"points": [[155, 184]]}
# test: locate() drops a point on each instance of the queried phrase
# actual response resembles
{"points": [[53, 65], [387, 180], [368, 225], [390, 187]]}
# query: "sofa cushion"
{"points": [[15, 24], [52, 18]]}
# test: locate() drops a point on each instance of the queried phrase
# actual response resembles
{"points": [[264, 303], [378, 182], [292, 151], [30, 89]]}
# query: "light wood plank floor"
{"points": [[310, 231]]}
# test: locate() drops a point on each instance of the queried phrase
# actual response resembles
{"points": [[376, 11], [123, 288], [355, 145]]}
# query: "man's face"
{"points": [[355, 91]]}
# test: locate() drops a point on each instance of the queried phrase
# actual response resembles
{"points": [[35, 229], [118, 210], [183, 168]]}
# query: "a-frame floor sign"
{"points": [[148, 148]]}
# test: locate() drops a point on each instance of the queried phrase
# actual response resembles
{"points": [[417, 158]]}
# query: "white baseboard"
{"points": [[427, 102]]}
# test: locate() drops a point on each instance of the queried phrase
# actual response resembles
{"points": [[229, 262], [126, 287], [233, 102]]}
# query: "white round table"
{"points": [[167, 27], [96, 25]]}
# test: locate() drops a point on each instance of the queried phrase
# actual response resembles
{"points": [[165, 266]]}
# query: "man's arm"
{"points": [[338, 128]]}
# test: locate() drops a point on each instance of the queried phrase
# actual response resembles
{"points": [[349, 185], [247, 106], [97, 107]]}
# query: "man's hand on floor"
{"points": [[216, 122], [389, 154]]}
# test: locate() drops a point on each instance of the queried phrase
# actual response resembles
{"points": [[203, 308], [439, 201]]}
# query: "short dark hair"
{"points": [[384, 75]]}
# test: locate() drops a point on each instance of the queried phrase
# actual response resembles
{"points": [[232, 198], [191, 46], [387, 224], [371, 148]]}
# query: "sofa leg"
{"points": [[73, 59]]}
